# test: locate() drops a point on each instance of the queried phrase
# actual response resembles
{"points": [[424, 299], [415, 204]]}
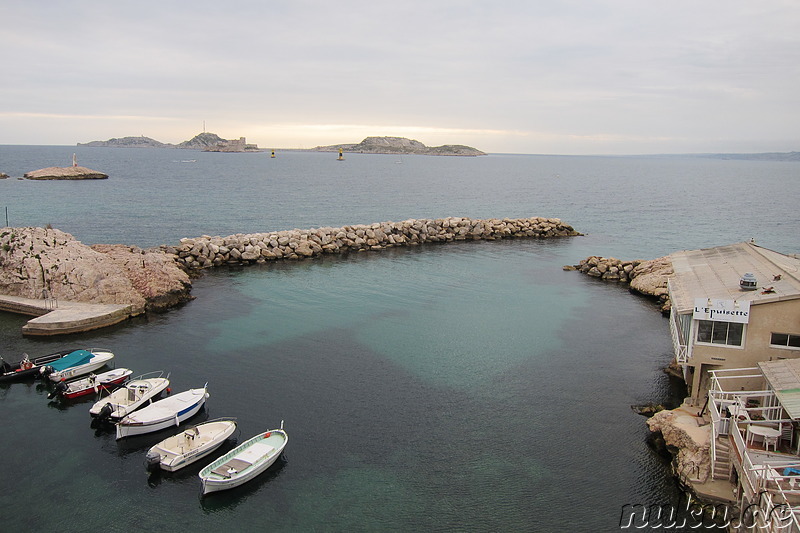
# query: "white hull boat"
{"points": [[244, 462], [177, 451], [135, 394], [93, 360], [162, 414], [90, 384]]}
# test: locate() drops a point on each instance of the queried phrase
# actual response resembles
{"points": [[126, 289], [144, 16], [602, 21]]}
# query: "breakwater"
{"points": [[206, 251]]}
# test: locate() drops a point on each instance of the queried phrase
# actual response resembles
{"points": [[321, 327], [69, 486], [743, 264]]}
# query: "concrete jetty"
{"points": [[62, 317]]}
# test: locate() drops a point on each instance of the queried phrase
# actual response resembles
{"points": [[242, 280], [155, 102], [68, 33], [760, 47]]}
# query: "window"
{"points": [[727, 333], [785, 340]]}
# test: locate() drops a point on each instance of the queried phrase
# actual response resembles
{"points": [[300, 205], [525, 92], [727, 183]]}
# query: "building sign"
{"points": [[721, 310]]}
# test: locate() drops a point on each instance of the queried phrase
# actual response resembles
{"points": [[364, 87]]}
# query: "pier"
{"points": [[63, 317]]}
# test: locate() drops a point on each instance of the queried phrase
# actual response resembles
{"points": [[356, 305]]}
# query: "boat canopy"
{"points": [[78, 357]]}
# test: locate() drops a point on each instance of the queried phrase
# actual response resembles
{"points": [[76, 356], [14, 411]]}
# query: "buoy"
{"points": [[341, 157], [273, 153]]}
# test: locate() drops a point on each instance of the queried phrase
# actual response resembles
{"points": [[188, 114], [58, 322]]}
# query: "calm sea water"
{"points": [[466, 386]]}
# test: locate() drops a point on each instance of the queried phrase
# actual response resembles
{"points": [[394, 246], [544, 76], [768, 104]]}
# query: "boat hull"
{"points": [[189, 446], [104, 381], [128, 427], [214, 481], [143, 389]]}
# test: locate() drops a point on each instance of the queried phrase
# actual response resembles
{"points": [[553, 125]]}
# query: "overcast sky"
{"points": [[529, 76]]}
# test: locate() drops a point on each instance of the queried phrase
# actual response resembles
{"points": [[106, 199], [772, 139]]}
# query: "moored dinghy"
{"points": [[177, 451], [136, 393], [163, 414], [244, 462], [90, 384]]}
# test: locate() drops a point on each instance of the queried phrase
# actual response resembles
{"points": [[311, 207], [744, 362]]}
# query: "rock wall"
{"points": [[645, 277], [34, 260], [684, 430], [205, 251]]}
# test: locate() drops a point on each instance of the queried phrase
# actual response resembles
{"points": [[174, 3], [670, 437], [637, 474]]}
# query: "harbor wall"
{"points": [[206, 251]]}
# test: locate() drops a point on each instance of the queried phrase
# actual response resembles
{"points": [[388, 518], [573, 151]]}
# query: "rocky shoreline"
{"points": [[648, 278], [206, 251]]}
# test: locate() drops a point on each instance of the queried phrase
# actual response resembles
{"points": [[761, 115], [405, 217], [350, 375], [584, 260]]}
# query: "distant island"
{"points": [[208, 142], [767, 156], [399, 145]]}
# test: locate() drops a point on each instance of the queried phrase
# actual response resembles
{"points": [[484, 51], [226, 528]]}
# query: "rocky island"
{"points": [[65, 173], [399, 145], [206, 141]]}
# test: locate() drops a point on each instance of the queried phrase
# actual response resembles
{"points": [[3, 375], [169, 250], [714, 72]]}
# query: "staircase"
{"points": [[722, 464]]}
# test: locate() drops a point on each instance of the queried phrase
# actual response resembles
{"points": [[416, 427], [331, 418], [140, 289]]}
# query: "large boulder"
{"points": [[41, 261]]}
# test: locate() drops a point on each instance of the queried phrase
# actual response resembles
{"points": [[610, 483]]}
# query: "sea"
{"points": [[468, 386]]}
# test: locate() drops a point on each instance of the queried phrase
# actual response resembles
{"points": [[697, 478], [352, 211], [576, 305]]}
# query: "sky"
{"points": [[529, 76]]}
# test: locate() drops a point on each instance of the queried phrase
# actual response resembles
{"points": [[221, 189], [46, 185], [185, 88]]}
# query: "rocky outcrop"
{"points": [[65, 173], [400, 145], [43, 261], [688, 436], [206, 251], [645, 277]]}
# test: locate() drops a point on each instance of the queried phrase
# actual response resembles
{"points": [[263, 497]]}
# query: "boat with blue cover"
{"points": [[76, 364]]}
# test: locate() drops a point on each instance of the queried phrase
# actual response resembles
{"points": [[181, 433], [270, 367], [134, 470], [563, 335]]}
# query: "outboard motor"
{"points": [[105, 412], [46, 371], [60, 387], [152, 461]]}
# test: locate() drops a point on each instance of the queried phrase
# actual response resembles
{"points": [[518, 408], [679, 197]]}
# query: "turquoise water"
{"points": [[464, 386]]}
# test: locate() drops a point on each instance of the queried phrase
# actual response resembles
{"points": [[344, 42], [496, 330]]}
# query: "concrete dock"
{"points": [[58, 317]]}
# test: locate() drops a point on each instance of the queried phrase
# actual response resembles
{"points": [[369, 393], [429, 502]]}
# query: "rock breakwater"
{"points": [[645, 277], [206, 251]]}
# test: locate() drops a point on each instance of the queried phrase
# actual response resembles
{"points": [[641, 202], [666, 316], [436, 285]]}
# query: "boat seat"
{"points": [[233, 466]]}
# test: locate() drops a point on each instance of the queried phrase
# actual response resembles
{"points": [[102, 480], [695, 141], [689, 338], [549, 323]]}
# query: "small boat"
{"points": [[27, 367], [163, 414], [76, 364], [177, 451], [136, 393], [93, 383], [244, 462]]}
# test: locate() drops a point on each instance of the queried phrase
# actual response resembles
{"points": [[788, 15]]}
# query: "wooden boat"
{"points": [[162, 414], [177, 451], [135, 394], [90, 384], [77, 363], [244, 462], [27, 367]]}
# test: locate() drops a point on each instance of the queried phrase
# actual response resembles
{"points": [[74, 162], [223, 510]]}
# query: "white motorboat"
{"points": [[91, 383], [136, 393], [163, 414], [177, 451], [244, 462], [78, 363]]}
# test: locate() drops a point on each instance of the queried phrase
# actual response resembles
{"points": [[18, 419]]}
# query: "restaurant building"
{"points": [[732, 307]]}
